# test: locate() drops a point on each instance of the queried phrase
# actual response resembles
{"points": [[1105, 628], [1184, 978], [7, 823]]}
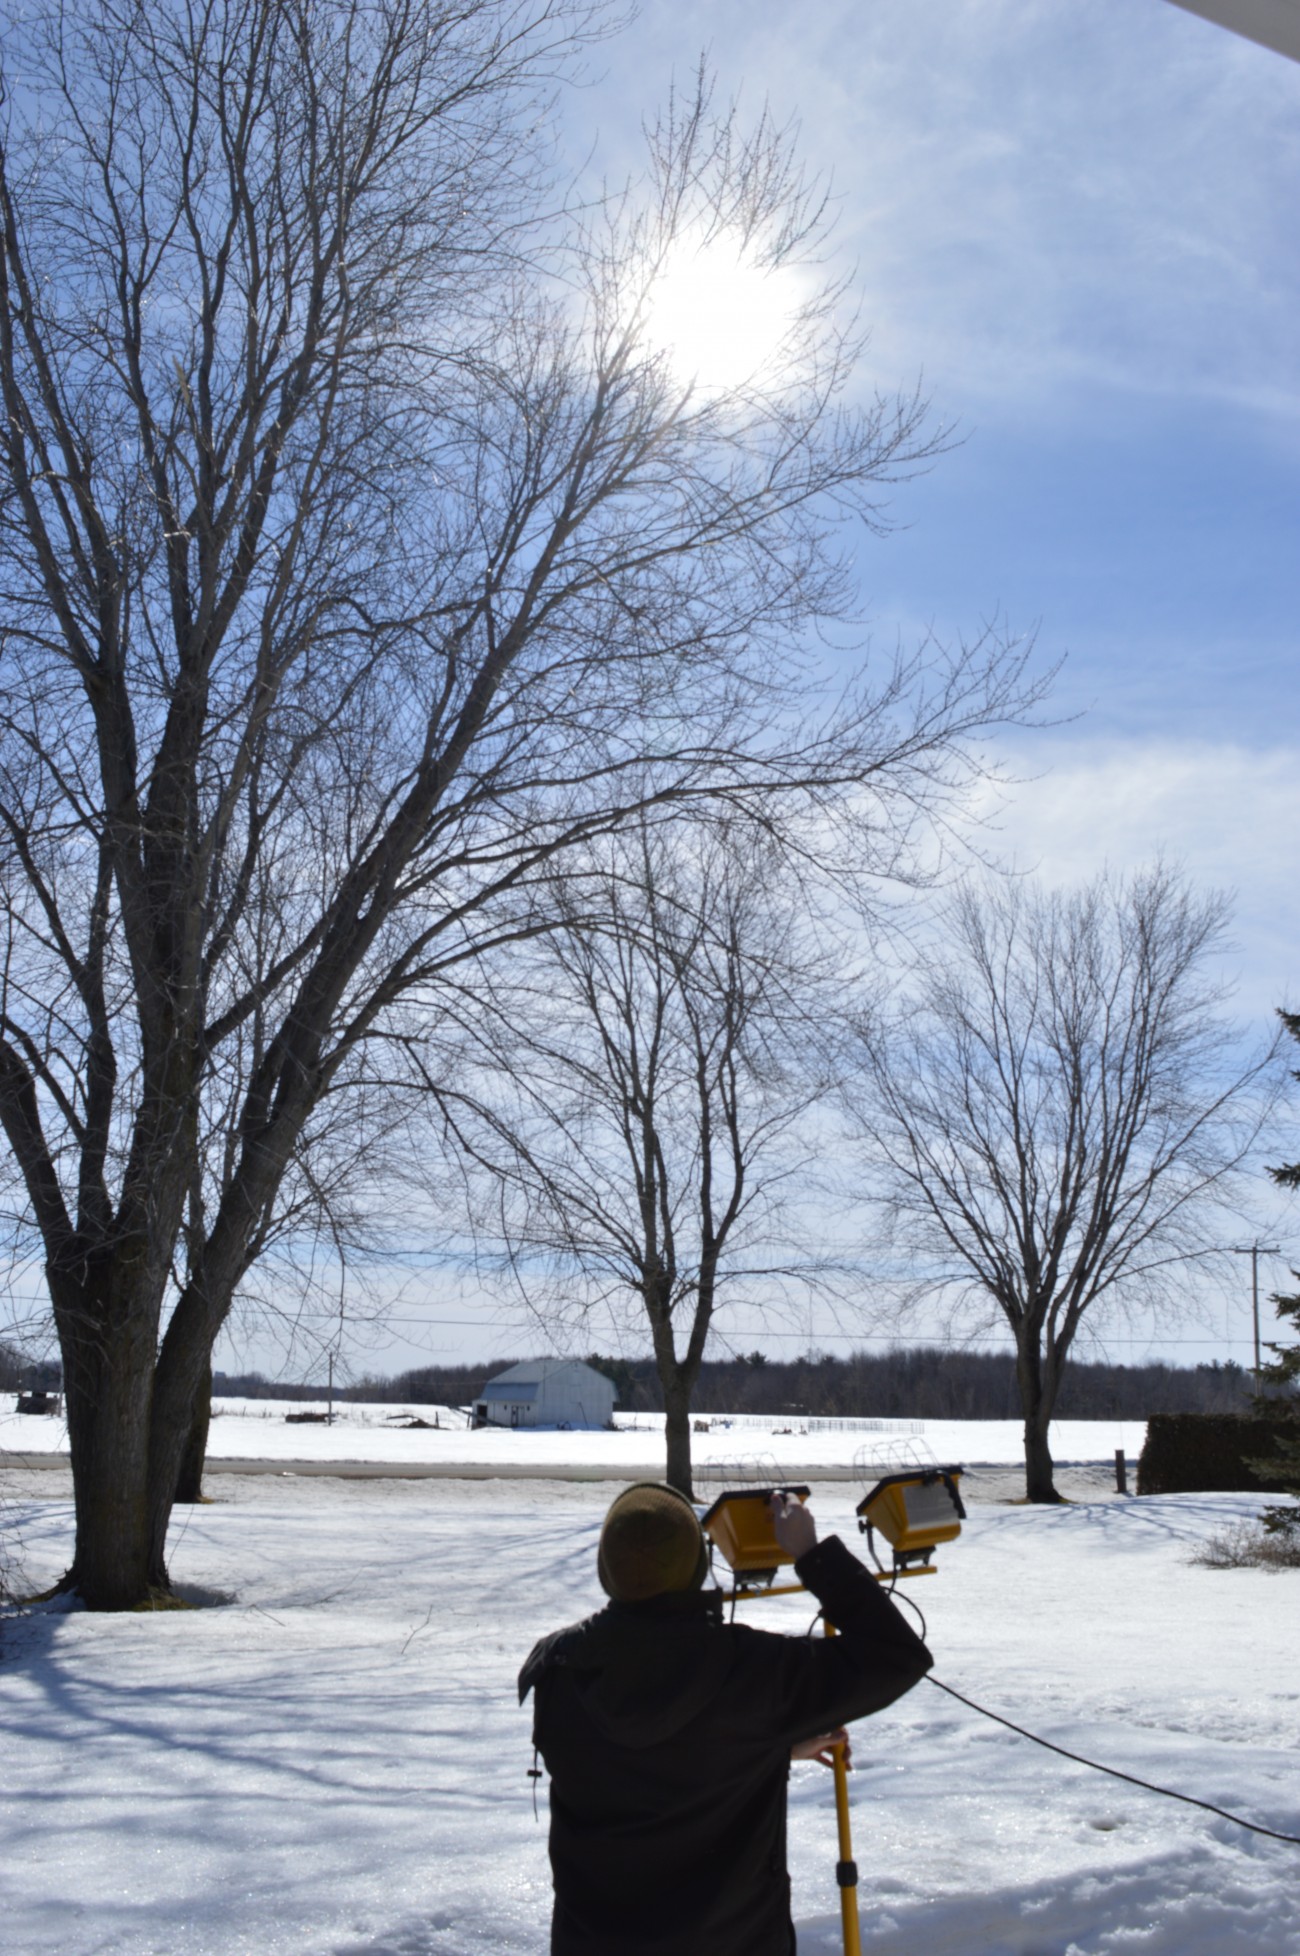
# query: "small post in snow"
{"points": [[1121, 1472]]}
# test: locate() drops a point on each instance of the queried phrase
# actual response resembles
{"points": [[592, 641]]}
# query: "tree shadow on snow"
{"points": [[1143, 1521]]}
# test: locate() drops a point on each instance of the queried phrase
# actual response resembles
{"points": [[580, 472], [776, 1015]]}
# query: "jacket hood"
{"points": [[642, 1670]]}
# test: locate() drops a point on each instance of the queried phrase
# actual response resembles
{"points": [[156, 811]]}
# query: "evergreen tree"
{"points": [[1281, 1379]]}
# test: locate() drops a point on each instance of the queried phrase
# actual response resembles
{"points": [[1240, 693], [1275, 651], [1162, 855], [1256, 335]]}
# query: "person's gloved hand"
{"points": [[793, 1526]]}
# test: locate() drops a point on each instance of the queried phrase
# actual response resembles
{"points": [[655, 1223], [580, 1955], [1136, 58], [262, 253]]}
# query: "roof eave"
{"points": [[1272, 23]]}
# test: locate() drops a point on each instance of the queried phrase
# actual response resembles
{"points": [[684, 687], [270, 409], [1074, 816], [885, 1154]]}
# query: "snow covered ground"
{"points": [[257, 1429], [328, 1760]]}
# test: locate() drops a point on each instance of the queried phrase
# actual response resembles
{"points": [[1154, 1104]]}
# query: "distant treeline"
{"points": [[905, 1382]]}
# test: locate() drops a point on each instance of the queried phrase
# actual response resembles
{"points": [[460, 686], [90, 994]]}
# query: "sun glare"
{"points": [[721, 321]]}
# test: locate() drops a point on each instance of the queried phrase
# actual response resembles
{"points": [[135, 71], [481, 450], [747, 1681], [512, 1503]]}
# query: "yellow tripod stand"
{"points": [[915, 1510], [846, 1869]]}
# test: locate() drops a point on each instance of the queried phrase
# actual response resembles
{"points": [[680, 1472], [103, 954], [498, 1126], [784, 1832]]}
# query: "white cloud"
{"points": [[1227, 813]]}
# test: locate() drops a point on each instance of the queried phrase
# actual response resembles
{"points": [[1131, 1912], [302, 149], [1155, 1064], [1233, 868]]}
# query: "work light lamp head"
{"points": [[916, 1512], [739, 1526]]}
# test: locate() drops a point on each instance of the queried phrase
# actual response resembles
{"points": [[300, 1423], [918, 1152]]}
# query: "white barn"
{"points": [[546, 1392]]}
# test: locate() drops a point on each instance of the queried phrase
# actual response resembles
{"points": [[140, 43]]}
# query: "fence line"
{"points": [[811, 1423]]}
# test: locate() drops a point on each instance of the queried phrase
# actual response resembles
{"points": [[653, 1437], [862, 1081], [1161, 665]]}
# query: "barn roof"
{"points": [[534, 1371]]}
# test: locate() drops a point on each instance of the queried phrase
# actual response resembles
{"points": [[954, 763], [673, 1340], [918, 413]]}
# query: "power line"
{"points": [[902, 1337], [861, 1337]]}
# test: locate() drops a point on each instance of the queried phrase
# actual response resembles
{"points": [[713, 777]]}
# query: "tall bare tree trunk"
{"points": [[137, 1407], [118, 1560], [189, 1484], [678, 1378], [677, 1434], [1037, 1400]]}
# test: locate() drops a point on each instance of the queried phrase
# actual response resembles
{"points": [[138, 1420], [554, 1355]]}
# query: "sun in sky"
{"points": [[720, 317]]}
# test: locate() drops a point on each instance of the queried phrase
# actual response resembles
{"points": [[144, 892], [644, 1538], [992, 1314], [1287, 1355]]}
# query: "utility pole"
{"points": [[1255, 1251]]}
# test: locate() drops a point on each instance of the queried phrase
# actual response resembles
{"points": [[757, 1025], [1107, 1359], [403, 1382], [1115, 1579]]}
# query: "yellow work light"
{"points": [[915, 1511], [739, 1527]]}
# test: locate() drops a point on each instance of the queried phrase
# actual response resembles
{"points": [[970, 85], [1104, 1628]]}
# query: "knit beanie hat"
{"points": [[650, 1545]]}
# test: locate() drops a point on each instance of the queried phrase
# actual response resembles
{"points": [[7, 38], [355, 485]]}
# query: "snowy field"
{"points": [[257, 1429], [328, 1759]]}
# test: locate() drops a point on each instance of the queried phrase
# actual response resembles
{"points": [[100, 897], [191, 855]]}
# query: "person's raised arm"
{"points": [[876, 1657]]}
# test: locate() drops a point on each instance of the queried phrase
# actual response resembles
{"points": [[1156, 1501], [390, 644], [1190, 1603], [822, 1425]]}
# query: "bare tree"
{"points": [[1058, 1112], [359, 556], [652, 1065]]}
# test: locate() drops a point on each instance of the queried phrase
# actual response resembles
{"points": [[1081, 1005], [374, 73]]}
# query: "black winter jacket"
{"points": [[667, 1737]]}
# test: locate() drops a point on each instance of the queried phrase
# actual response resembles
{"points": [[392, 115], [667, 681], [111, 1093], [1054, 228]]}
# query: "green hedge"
{"points": [[1206, 1453]]}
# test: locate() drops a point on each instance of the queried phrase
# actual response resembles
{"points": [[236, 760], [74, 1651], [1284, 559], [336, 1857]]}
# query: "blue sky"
{"points": [[1074, 220]]}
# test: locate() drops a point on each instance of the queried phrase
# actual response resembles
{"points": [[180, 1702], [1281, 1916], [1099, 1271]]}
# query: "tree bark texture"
{"points": [[189, 1483], [1037, 1377], [118, 1558], [677, 1434]]}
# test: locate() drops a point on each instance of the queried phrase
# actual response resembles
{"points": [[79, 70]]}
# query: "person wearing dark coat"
{"points": [[667, 1734]]}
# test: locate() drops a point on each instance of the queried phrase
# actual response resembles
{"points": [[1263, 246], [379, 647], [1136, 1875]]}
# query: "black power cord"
{"points": [[1253, 1826], [1113, 1772]]}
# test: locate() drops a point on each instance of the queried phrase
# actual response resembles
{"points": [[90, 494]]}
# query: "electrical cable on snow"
{"points": [[1252, 1826], [1113, 1772]]}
